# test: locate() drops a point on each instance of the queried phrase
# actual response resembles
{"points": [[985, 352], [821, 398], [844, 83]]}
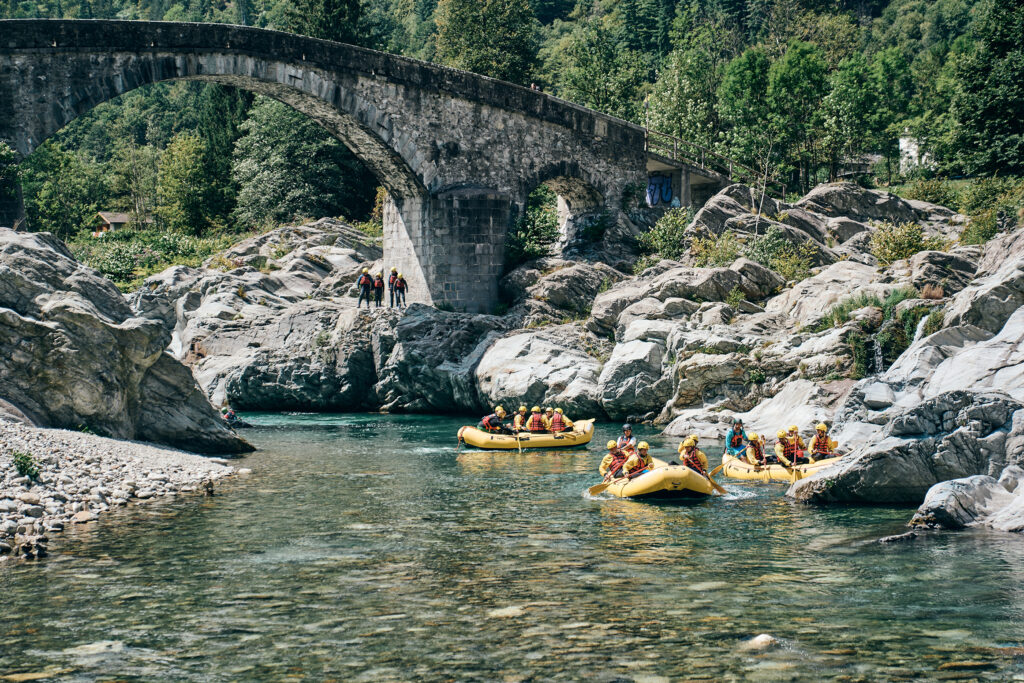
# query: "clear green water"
{"points": [[361, 550]]}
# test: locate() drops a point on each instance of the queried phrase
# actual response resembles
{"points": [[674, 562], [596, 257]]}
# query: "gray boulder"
{"points": [[809, 300], [75, 356], [558, 366], [998, 290], [956, 434], [980, 500], [631, 382], [849, 200]]}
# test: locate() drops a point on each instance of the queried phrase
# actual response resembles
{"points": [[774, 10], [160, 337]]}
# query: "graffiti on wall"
{"points": [[659, 190]]}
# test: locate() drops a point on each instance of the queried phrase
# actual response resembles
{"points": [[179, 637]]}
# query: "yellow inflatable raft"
{"points": [[663, 481], [581, 434], [741, 469]]}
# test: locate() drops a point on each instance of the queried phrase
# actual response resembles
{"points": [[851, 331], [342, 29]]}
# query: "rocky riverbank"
{"points": [[80, 476]]}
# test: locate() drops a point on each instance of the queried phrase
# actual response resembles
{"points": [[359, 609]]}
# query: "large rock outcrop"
{"points": [[76, 357], [978, 501], [956, 434]]}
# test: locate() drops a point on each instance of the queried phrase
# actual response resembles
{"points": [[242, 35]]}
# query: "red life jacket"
{"points": [[737, 440], [492, 422], [758, 450], [642, 464], [692, 461], [378, 283], [618, 460], [535, 423], [789, 449], [557, 423], [365, 280], [821, 446], [391, 279], [400, 284]]}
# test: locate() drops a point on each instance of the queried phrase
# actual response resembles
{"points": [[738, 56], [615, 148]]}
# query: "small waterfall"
{"points": [[920, 328], [879, 361]]}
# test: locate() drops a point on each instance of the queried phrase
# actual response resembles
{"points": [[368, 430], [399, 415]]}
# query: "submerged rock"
{"points": [[979, 500]]}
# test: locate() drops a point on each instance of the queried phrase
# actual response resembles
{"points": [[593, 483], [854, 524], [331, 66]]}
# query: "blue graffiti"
{"points": [[659, 190]]}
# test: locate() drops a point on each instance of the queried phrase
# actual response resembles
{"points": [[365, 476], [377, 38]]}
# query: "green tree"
{"points": [[600, 75], [682, 102], [61, 191], [796, 85], [495, 38], [288, 167], [328, 19], [893, 86], [743, 106], [988, 106], [181, 185], [132, 179], [848, 111]]}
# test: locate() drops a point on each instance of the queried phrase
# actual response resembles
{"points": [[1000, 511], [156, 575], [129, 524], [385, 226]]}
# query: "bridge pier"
{"points": [[450, 246]]}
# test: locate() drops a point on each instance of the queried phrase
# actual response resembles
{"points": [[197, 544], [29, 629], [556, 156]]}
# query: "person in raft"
{"points": [[755, 450], [786, 450], [735, 438], [638, 462], [365, 283], [611, 464], [519, 421], [535, 423], [821, 446], [493, 422], [627, 442], [794, 433], [558, 422], [693, 457]]}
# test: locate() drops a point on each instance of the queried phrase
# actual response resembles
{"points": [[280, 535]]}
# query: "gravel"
{"points": [[81, 476]]}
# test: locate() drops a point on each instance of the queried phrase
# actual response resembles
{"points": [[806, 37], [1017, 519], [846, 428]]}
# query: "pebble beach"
{"points": [[80, 476]]}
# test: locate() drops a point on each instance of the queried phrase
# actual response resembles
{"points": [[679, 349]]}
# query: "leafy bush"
{"points": [[129, 256], [26, 465], [666, 238], [535, 231], [716, 251], [891, 242], [776, 252], [735, 297], [839, 314], [934, 190]]}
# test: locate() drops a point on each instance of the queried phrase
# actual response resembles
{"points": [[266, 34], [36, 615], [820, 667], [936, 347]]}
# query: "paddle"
{"points": [[519, 444]]}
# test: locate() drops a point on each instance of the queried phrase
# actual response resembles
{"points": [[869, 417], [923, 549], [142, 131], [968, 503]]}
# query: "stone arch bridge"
{"points": [[457, 152]]}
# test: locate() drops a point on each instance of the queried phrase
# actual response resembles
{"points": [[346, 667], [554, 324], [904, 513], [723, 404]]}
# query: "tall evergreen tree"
{"points": [[989, 103], [328, 19], [743, 107], [797, 83], [496, 38], [848, 110]]}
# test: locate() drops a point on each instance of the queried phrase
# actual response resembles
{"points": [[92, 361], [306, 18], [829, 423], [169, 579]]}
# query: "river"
{"points": [[360, 549]]}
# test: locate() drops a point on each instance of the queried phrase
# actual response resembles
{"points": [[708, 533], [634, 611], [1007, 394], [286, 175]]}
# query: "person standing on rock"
{"points": [[378, 290], [392, 278], [365, 283], [401, 287]]}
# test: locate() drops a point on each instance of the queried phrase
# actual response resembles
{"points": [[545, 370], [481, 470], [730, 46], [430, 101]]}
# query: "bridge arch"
{"points": [[456, 151]]}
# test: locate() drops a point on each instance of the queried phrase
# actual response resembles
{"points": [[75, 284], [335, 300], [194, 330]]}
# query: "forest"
{"points": [[805, 91]]}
